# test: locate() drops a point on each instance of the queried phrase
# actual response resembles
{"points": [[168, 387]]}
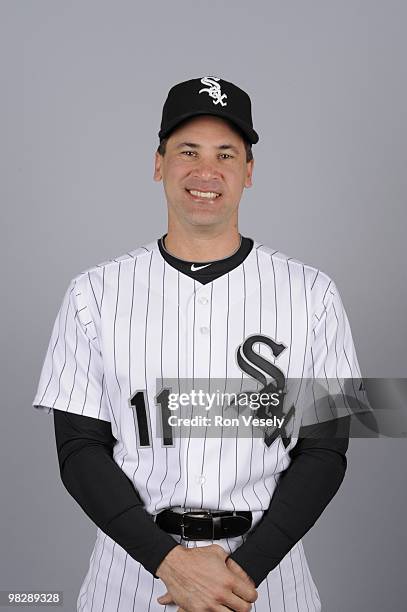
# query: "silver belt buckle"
{"points": [[196, 513]]}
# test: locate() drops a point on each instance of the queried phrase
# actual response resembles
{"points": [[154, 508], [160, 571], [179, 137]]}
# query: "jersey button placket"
{"points": [[202, 332], [203, 301], [199, 367]]}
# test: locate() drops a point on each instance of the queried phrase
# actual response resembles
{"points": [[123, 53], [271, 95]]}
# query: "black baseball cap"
{"points": [[208, 95]]}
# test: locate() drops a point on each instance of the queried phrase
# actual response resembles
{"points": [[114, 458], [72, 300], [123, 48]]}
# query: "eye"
{"points": [[226, 155], [186, 152]]}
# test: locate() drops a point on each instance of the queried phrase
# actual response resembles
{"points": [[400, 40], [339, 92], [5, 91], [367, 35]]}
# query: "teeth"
{"points": [[204, 194]]}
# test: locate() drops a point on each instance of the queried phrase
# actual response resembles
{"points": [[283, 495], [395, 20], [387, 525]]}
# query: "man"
{"points": [[210, 522]]}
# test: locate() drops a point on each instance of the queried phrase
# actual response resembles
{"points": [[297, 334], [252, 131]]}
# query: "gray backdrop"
{"points": [[83, 83]]}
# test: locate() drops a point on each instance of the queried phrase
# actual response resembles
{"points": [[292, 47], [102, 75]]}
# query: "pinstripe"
{"points": [[241, 384], [260, 330], [275, 299], [87, 379], [53, 351], [102, 392], [108, 575], [250, 473], [114, 346], [111, 407], [130, 326], [313, 282], [268, 592], [348, 361], [327, 353], [151, 594], [83, 597], [131, 368], [76, 369], [209, 383], [336, 355], [145, 368], [295, 580], [274, 359], [313, 385], [282, 586], [64, 363], [93, 293], [121, 399], [224, 389], [162, 375], [103, 289], [121, 583], [178, 372], [291, 319], [304, 562], [303, 581], [326, 291], [97, 572], [250, 464], [193, 383], [136, 589]]}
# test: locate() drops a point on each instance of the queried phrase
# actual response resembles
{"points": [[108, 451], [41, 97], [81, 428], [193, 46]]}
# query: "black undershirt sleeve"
{"points": [[105, 493], [305, 488], [90, 474]]}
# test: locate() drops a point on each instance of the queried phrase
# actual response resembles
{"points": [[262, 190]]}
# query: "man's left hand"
{"points": [[232, 565]]}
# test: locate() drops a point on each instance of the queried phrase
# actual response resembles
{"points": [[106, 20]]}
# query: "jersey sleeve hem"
{"points": [[73, 408]]}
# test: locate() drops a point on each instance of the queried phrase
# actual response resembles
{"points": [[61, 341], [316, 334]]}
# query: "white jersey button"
{"points": [[204, 330], [203, 300], [200, 480]]}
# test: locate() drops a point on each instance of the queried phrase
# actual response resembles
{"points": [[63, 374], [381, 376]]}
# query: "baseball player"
{"points": [[200, 522]]}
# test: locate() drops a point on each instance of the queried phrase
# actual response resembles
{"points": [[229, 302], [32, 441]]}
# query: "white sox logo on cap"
{"points": [[184, 100], [213, 90]]}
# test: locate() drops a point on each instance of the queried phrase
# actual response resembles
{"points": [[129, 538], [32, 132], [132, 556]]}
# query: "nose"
{"points": [[205, 169]]}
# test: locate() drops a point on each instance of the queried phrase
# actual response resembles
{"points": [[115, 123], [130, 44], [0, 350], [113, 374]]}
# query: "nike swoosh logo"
{"points": [[194, 268]]}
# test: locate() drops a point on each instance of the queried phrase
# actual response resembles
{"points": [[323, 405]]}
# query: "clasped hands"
{"points": [[203, 578]]}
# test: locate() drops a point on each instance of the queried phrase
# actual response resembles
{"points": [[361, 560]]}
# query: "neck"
{"points": [[202, 246]]}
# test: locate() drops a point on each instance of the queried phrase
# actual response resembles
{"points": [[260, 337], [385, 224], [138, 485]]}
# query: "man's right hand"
{"points": [[198, 579]]}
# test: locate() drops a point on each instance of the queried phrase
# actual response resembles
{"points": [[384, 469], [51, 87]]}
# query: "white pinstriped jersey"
{"points": [[128, 322]]}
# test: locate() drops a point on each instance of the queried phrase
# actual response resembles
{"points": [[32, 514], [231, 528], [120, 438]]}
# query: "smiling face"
{"points": [[204, 171]]}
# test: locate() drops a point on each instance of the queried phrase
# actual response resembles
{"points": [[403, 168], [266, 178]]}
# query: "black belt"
{"points": [[204, 525]]}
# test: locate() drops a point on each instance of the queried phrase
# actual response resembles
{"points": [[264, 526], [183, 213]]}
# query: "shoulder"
{"points": [[90, 287], [317, 278], [318, 283], [128, 258]]}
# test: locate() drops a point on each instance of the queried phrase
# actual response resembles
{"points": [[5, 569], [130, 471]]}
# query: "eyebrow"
{"points": [[193, 145]]}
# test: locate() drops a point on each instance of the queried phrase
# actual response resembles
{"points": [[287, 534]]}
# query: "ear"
{"points": [[249, 172], [157, 167]]}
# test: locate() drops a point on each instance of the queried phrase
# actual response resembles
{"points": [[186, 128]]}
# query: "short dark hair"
{"points": [[247, 145]]}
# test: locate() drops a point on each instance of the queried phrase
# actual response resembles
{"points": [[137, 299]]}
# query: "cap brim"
{"points": [[250, 134]]}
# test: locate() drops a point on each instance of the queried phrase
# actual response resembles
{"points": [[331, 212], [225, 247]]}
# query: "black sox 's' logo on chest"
{"points": [[259, 368], [267, 416]]}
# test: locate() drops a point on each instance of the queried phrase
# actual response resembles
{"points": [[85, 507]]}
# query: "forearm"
{"points": [[304, 490], [107, 496]]}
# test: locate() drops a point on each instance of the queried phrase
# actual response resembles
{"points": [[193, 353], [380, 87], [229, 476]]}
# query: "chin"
{"points": [[204, 220]]}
